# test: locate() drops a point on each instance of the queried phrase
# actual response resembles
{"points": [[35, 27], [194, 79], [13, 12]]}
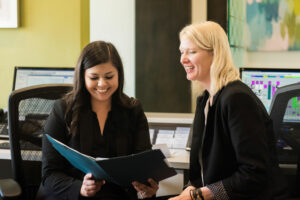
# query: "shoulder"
{"points": [[203, 97], [236, 89], [136, 108], [60, 105], [59, 108], [239, 96], [57, 115], [135, 103], [130, 113], [131, 103], [133, 108]]}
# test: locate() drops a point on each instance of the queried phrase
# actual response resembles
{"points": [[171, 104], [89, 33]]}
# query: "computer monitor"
{"points": [[265, 81], [28, 76]]}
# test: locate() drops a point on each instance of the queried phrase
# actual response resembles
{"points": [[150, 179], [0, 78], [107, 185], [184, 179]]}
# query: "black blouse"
{"points": [[103, 146], [126, 132]]}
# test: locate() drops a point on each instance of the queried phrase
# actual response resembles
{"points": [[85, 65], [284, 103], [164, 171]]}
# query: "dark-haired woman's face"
{"points": [[101, 81]]}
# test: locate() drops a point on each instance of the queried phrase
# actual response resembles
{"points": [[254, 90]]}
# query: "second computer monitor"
{"points": [[265, 81], [28, 76]]}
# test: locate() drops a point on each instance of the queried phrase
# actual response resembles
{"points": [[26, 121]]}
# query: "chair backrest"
{"points": [[285, 113], [28, 110]]}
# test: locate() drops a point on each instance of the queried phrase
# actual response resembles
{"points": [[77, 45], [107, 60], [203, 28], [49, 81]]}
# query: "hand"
{"points": [[90, 186], [185, 194], [146, 191]]}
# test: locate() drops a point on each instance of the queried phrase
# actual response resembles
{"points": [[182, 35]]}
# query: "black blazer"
{"points": [[237, 146], [130, 134]]}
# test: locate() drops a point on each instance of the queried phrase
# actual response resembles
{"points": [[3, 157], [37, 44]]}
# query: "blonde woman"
{"points": [[233, 150]]}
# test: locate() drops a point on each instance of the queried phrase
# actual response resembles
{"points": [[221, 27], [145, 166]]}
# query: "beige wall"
{"points": [[52, 33], [199, 14], [119, 29]]}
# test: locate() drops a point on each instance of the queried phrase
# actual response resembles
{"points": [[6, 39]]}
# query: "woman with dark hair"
{"points": [[97, 119]]}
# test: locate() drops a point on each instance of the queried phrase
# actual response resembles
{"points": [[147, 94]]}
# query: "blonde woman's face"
{"points": [[195, 61]]}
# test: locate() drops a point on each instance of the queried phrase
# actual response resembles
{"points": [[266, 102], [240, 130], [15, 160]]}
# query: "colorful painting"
{"points": [[273, 25]]}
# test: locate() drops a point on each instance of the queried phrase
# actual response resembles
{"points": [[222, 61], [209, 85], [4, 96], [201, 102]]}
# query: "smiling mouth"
{"points": [[102, 91], [189, 69]]}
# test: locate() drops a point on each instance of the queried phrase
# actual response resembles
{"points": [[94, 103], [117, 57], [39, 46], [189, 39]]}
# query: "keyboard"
{"points": [[24, 146], [4, 131], [29, 152], [4, 144], [287, 157]]}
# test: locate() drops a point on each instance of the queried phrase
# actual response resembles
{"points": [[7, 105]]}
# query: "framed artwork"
{"points": [[273, 25], [9, 14]]}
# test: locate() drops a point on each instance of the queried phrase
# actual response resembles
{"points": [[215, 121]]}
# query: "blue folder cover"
{"points": [[121, 170]]}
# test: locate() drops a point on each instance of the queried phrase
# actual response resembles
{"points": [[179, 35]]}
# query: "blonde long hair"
{"points": [[210, 36]]}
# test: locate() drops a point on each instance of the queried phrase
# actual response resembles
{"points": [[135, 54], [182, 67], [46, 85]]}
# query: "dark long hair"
{"points": [[93, 54]]}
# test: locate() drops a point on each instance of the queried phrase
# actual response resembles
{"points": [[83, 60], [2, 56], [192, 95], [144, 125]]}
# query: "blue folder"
{"points": [[121, 170]]}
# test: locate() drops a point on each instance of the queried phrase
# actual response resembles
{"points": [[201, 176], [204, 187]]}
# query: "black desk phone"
{"points": [[3, 125]]}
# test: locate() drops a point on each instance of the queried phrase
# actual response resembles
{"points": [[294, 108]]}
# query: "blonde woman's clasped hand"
{"points": [[146, 191], [184, 195]]}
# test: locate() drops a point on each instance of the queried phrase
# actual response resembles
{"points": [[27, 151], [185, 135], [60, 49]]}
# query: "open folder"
{"points": [[121, 170]]}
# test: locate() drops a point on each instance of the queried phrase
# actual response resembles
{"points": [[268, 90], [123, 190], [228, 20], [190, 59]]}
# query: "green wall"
{"points": [[51, 33]]}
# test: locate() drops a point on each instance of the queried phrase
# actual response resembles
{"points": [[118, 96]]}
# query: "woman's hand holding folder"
{"points": [[90, 186]]}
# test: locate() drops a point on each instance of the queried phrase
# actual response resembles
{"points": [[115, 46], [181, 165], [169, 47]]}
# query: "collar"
{"points": [[217, 95]]}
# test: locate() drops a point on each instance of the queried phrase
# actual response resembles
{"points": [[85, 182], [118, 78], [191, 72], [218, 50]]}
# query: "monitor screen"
{"points": [[265, 81], [28, 76]]}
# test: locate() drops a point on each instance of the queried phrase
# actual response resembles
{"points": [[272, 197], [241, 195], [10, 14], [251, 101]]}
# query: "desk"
{"points": [[5, 163], [179, 160], [4, 154], [5, 160], [6, 170], [170, 118]]}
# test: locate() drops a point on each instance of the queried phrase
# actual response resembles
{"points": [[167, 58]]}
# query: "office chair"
{"points": [[285, 113], [28, 110]]}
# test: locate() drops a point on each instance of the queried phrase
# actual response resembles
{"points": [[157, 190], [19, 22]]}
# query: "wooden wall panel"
{"points": [[217, 11], [161, 82]]}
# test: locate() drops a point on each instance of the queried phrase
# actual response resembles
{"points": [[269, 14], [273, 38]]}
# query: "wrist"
{"points": [[196, 194], [207, 194]]}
